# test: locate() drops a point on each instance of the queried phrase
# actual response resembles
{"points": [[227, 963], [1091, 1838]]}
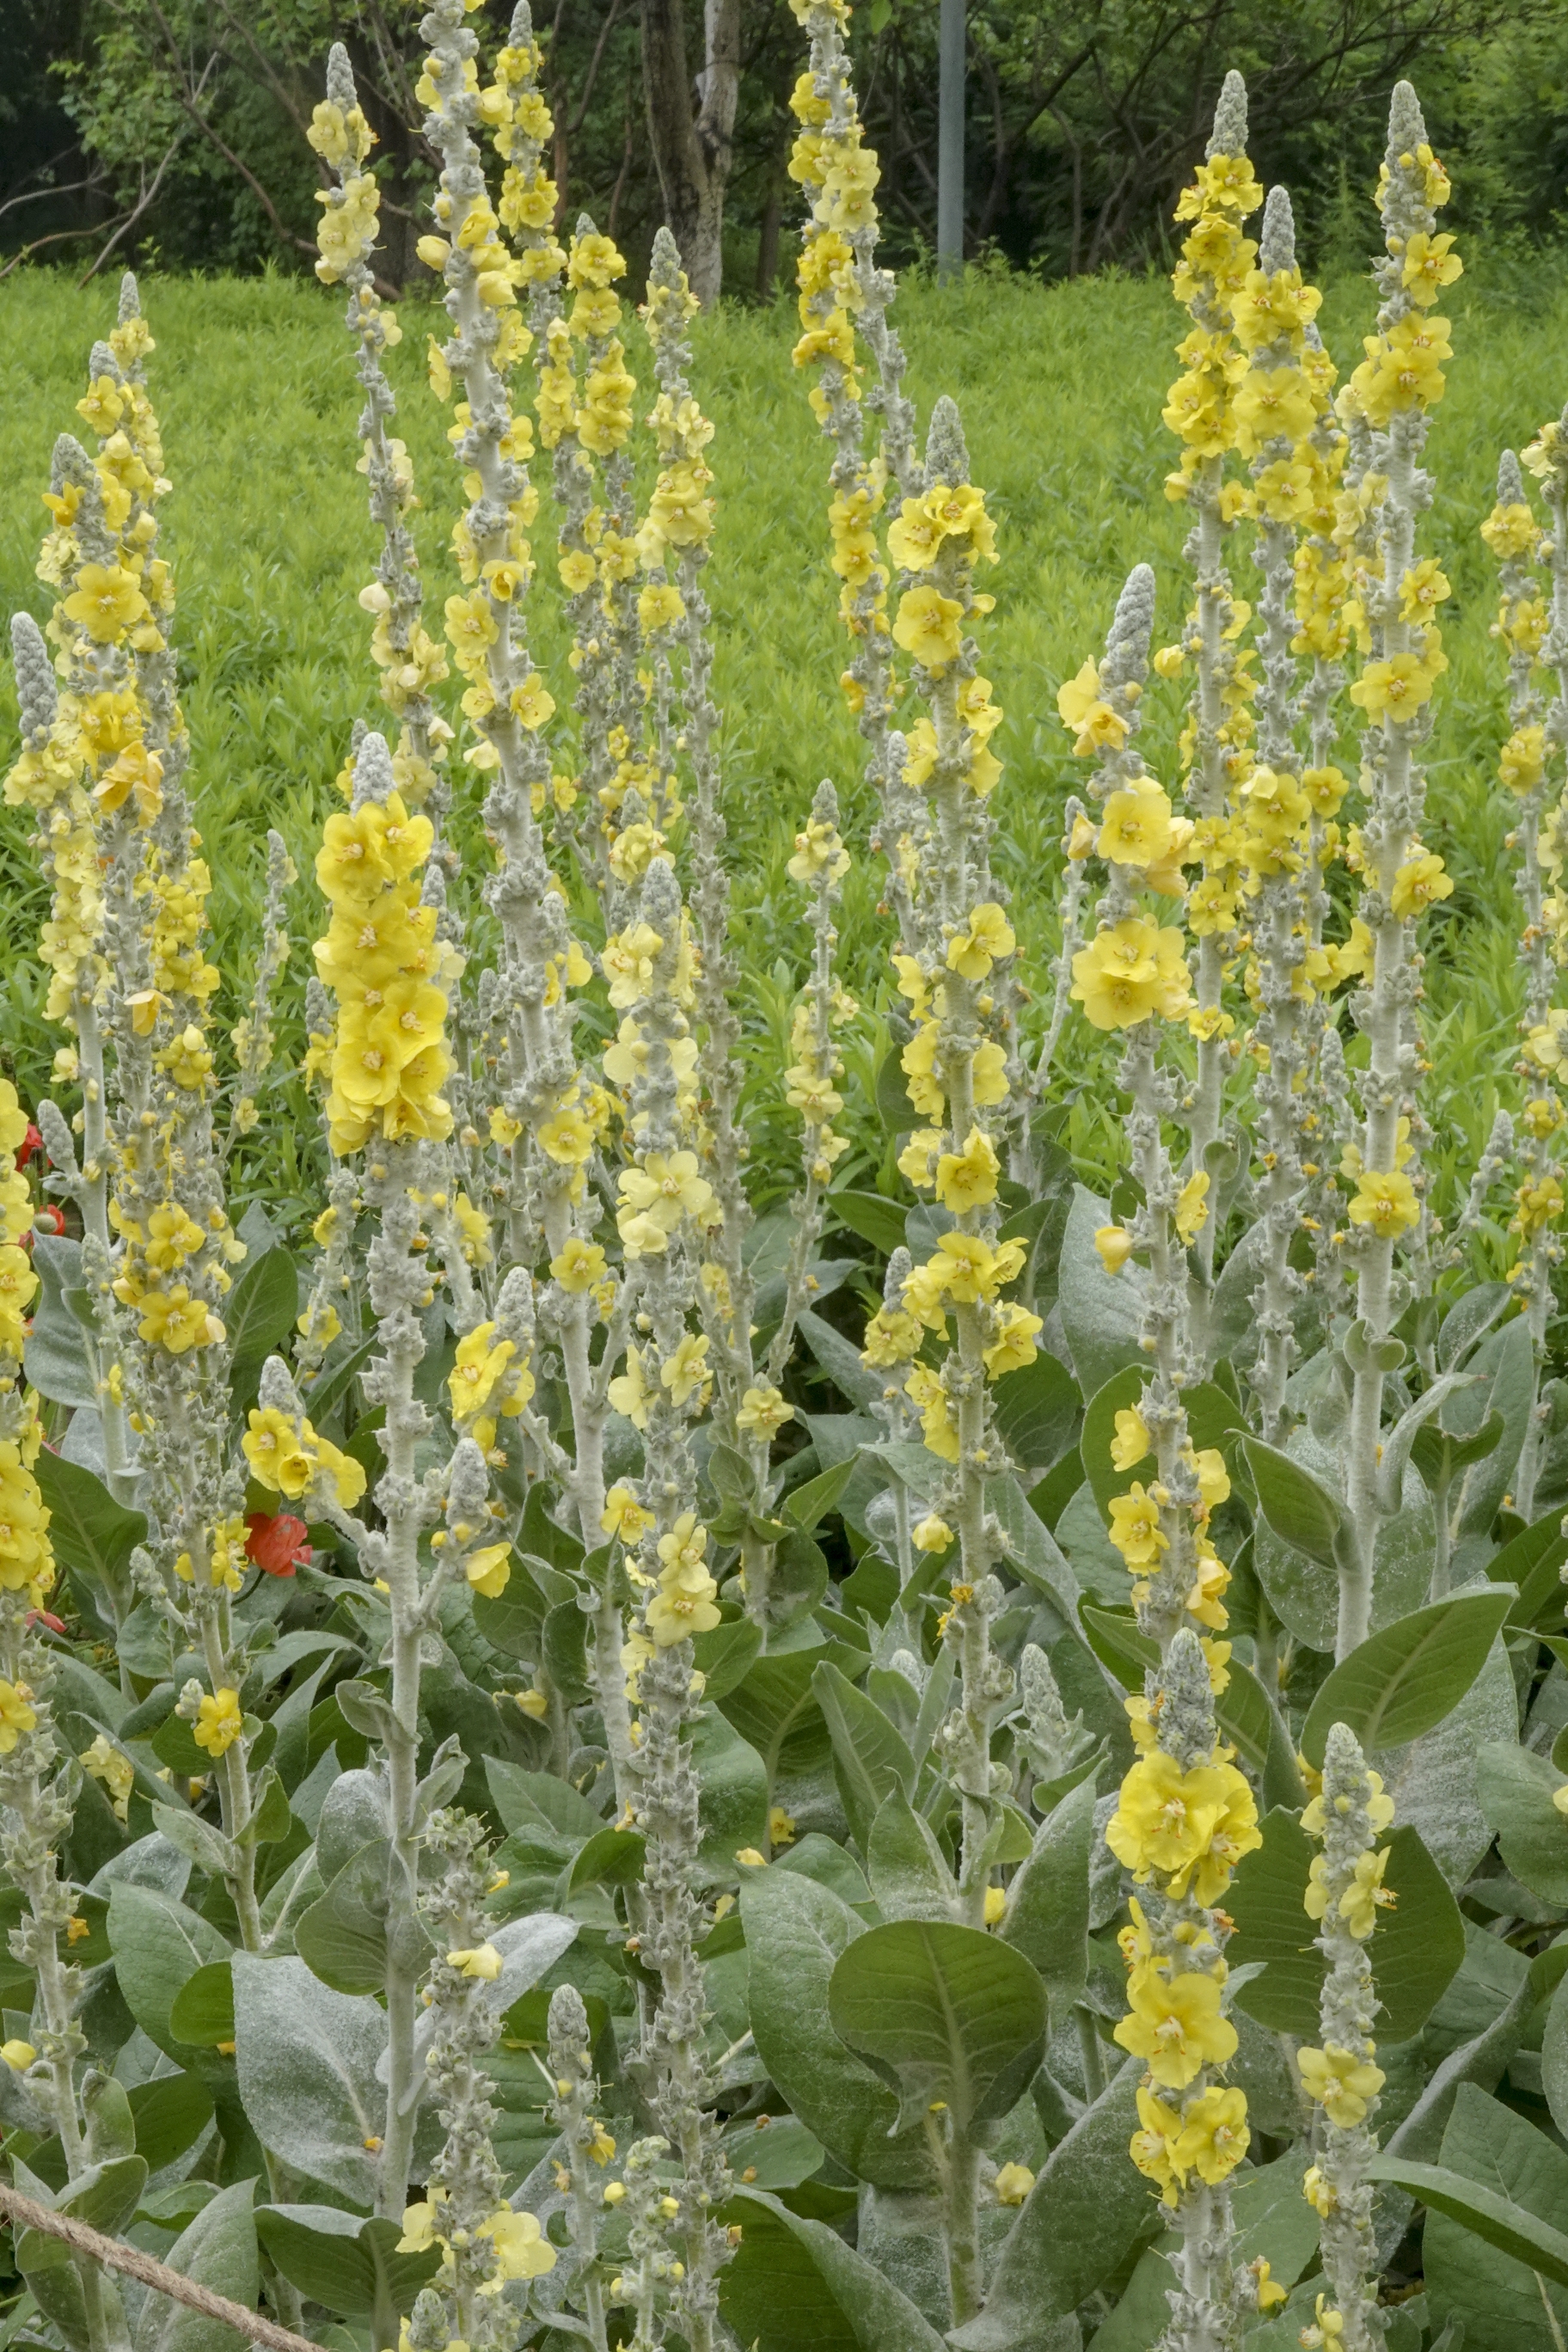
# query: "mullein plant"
{"points": [[1391, 394], [1528, 766], [1344, 1894], [1185, 1815], [1212, 405], [110, 752], [37, 1786]]}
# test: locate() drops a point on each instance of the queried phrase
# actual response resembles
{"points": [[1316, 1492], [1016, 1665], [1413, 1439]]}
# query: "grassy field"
{"points": [[1061, 391]]}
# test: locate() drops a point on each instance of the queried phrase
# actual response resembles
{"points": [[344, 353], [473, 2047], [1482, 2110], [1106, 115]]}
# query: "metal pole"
{"points": [[949, 142]]}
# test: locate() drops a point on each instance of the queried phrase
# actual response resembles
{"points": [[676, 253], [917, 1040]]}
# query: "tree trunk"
{"points": [[691, 145]]}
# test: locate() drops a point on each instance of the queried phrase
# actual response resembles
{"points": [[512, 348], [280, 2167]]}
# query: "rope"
{"points": [[114, 2256]]}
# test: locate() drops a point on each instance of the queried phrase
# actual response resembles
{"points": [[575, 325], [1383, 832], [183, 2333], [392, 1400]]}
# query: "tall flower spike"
{"points": [[1530, 765], [1344, 1894], [1391, 396], [843, 294], [407, 656], [1185, 1816], [1281, 397], [1204, 410]]}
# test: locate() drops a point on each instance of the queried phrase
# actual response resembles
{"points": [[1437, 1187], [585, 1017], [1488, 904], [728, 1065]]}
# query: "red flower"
{"points": [[32, 1142], [42, 1617], [277, 1544]]}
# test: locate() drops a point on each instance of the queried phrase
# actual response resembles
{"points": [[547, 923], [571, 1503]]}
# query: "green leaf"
{"points": [[88, 1529], [170, 2114], [797, 1930], [307, 2060], [890, 1090], [57, 1358], [1406, 1678], [1555, 2056], [1038, 1414], [341, 1937], [1478, 2257], [1047, 1916], [733, 1801], [840, 1360], [514, 1621], [351, 2265], [218, 2250], [876, 1219], [906, 1868], [259, 1313], [531, 1800], [794, 2286], [1102, 1314], [869, 1757], [1087, 2211], [1531, 1560], [1516, 1788], [203, 2010], [805, 1505], [1415, 1949], [1298, 1506], [1496, 2220], [159, 1944], [724, 1656], [944, 2012]]}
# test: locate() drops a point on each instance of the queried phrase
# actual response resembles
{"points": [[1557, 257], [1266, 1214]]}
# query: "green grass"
{"points": [[1060, 390]]}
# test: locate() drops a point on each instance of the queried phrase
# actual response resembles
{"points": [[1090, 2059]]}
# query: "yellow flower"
{"points": [[995, 1906], [819, 853], [218, 1723], [1131, 1441], [1342, 2085], [16, 1716], [1214, 2136], [1012, 2184], [1130, 972], [1393, 689], [1192, 1206], [579, 1266], [522, 2250], [480, 1361], [1429, 265], [1086, 715], [1176, 2029], [781, 1826], [1366, 1895], [1013, 1345], [933, 1534], [659, 606], [927, 628], [272, 1447], [1135, 1527], [489, 1571], [106, 601], [763, 1412], [18, 2055], [1114, 1245], [1268, 2290], [1135, 828], [967, 1180], [1420, 883], [684, 1372], [989, 937], [483, 1963], [1152, 2145], [625, 1516], [1386, 1202]]}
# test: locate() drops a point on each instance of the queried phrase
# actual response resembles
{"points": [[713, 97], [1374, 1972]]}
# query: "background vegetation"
{"points": [[270, 541], [1084, 118]]}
